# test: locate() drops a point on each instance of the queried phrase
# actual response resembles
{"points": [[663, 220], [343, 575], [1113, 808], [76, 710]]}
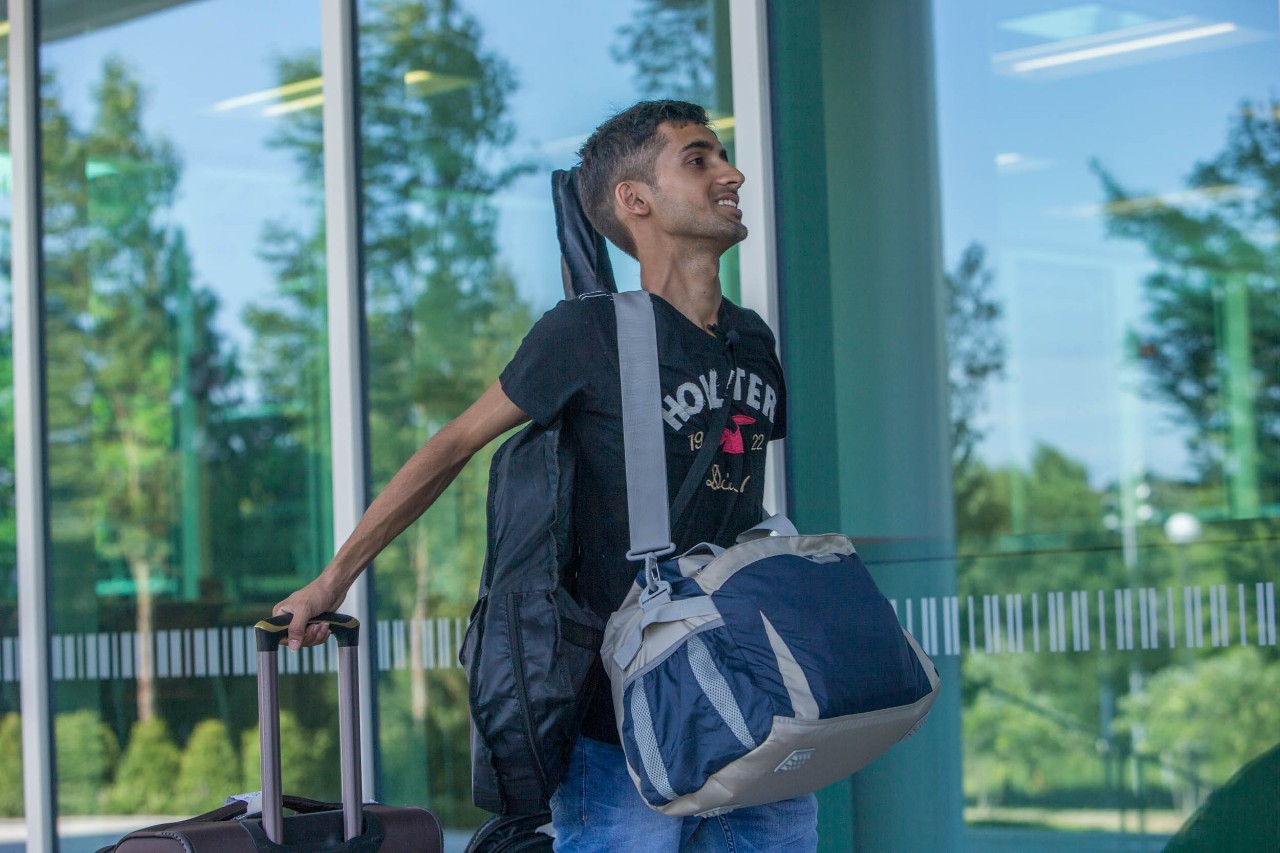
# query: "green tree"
{"points": [[975, 356], [8, 509], [1016, 738], [1210, 343], [133, 364], [87, 753], [1210, 716], [304, 759], [442, 312], [209, 769], [151, 762], [672, 45], [12, 790]]}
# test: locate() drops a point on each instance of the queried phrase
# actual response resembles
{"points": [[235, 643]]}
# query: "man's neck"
{"points": [[689, 282]]}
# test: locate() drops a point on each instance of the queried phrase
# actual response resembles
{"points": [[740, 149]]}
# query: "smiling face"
{"points": [[695, 196]]}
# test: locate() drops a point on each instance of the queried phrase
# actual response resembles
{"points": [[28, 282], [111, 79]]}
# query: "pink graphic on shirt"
{"points": [[731, 441]]}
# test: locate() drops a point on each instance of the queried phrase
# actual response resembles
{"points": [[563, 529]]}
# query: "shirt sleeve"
{"points": [[780, 422], [771, 346], [548, 370]]}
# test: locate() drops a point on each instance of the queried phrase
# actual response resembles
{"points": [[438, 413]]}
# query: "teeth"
{"points": [[728, 202]]}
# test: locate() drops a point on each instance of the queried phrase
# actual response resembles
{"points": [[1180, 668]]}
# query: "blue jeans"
{"points": [[597, 809]]}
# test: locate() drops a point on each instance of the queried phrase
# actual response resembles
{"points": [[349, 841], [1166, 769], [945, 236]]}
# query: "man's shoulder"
{"points": [[577, 314], [749, 323]]}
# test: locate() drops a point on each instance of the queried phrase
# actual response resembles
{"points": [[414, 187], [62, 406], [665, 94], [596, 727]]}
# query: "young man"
{"points": [[657, 182]]}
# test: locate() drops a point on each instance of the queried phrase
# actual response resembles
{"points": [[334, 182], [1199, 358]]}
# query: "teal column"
{"points": [[805, 338], [864, 345]]}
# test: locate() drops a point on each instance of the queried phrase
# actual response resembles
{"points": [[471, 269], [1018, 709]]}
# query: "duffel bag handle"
{"points": [[774, 525]]}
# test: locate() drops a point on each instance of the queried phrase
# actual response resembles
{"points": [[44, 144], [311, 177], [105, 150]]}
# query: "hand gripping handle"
{"points": [[275, 630], [270, 633]]}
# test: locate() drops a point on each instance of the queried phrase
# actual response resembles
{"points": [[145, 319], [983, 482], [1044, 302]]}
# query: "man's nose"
{"points": [[732, 177]]}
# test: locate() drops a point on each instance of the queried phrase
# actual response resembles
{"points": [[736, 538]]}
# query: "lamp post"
{"points": [[1182, 529]]}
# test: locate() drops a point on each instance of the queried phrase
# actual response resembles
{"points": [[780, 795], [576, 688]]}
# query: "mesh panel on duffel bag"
{"points": [[690, 714]]}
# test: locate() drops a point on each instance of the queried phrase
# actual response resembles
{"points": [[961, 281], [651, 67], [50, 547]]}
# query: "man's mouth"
{"points": [[731, 203]]}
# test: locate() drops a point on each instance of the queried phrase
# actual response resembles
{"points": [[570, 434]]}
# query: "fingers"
{"points": [[298, 628], [302, 634], [315, 635]]}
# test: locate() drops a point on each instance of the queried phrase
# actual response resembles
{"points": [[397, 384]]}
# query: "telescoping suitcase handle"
{"points": [[270, 634]]}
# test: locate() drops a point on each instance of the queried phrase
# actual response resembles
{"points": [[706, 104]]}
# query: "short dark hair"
{"points": [[625, 148]]}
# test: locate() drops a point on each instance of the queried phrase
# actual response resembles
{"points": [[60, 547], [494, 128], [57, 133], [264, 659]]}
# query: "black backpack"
{"points": [[531, 650]]}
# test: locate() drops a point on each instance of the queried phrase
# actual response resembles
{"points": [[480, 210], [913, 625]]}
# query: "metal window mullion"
{"points": [[29, 430], [753, 149], [346, 335]]}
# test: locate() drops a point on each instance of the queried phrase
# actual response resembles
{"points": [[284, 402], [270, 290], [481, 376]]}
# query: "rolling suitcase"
{"points": [[315, 827]]}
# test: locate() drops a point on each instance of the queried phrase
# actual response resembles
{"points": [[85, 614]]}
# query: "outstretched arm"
{"points": [[411, 491]]}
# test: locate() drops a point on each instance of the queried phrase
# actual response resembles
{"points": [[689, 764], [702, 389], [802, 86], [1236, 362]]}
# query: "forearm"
{"points": [[414, 488], [411, 491]]}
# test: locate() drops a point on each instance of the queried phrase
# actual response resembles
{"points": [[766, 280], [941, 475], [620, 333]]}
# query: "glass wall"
{"points": [[187, 397], [11, 805], [1028, 257], [1111, 276], [466, 108]]}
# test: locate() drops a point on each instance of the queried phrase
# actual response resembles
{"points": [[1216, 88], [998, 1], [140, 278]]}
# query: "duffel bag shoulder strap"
{"points": [[642, 439], [648, 515]]}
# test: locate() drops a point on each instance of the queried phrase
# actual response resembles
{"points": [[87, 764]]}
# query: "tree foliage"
{"points": [[975, 348], [87, 753], [133, 364], [151, 762], [442, 312], [305, 755], [1182, 710], [1219, 234], [671, 44], [12, 790], [209, 769]]}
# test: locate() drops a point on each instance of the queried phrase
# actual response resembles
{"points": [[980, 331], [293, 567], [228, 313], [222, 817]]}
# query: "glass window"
{"points": [[466, 109], [1110, 253], [1041, 399], [187, 400], [11, 787]]}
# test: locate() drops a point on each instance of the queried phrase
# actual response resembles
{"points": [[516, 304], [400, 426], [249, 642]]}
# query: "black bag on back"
{"points": [[530, 649]]}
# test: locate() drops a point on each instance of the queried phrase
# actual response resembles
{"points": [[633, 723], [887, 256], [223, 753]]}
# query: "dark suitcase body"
{"points": [[315, 827]]}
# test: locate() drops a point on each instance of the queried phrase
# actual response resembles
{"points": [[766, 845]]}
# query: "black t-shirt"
{"points": [[568, 366]]}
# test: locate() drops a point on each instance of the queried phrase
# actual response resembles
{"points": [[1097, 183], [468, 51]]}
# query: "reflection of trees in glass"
{"points": [[8, 508], [671, 43], [1211, 342], [1016, 741], [975, 356], [1209, 716], [1210, 346], [133, 365], [442, 312], [975, 348]]}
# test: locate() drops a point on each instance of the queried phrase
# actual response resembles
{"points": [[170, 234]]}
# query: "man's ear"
{"points": [[632, 197]]}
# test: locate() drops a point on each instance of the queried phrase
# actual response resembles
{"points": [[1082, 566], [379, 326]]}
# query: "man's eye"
{"points": [[696, 161]]}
